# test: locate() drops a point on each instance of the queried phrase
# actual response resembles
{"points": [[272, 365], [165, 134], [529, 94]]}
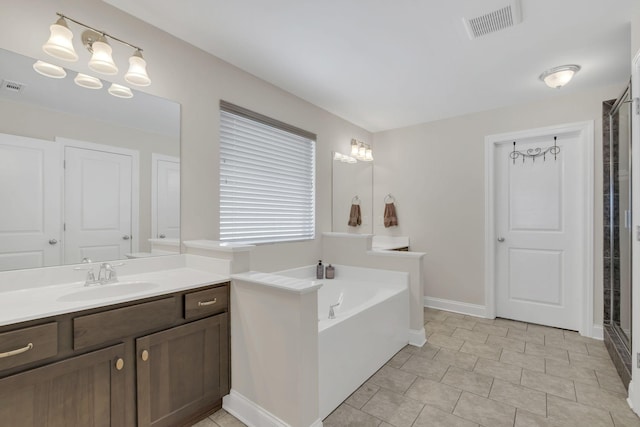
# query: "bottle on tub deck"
{"points": [[320, 270], [330, 272]]}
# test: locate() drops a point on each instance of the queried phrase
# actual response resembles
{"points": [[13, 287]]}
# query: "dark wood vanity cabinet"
{"points": [[85, 390], [181, 370], [161, 361]]}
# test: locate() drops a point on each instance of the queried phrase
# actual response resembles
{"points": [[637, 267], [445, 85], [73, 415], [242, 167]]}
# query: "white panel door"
{"points": [[538, 250], [30, 196], [98, 205], [166, 197]]}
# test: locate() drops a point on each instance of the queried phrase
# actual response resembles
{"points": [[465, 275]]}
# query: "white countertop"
{"points": [[20, 305]]}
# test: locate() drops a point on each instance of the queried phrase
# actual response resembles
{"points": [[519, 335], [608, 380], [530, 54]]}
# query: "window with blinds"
{"points": [[267, 179]]}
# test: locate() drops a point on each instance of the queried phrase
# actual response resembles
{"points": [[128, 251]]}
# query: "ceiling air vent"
{"points": [[496, 20], [10, 86]]}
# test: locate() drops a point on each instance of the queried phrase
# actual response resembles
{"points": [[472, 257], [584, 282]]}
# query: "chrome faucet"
{"points": [[106, 274], [109, 276], [332, 314]]}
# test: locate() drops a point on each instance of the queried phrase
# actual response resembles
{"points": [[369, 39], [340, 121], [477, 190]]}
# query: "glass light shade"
{"points": [[49, 70], [120, 91], [354, 147], [362, 151], [59, 44], [368, 156], [101, 61], [137, 73], [87, 81], [559, 76]]}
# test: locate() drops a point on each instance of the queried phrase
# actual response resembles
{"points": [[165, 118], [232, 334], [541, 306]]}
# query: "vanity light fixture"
{"points": [[88, 81], [49, 70], [60, 46], [559, 76], [361, 151], [120, 91]]}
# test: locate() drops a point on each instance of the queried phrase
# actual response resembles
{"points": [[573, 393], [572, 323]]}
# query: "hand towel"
{"points": [[390, 216], [355, 218]]}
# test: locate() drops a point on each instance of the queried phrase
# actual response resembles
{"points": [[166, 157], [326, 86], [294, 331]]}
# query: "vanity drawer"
{"points": [[28, 345], [207, 302], [106, 326]]}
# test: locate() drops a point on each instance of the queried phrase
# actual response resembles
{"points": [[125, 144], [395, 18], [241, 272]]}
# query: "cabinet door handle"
{"points": [[205, 303], [17, 351], [119, 364], [145, 355]]}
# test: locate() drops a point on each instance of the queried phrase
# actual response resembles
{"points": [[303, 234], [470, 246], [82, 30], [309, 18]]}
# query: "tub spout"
{"points": [[332, 314]]}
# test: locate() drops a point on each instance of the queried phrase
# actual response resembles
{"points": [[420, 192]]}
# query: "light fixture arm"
{"points": [[99, 31]]}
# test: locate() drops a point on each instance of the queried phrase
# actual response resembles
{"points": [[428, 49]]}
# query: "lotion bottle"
{"points": [[331, 272], [320, 270]]}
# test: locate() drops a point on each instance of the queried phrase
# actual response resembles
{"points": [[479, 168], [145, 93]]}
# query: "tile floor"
{"points": [[491, 373]]}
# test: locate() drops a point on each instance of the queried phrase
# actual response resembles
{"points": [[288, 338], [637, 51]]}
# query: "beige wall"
{"points": [[436, 173], [197, 81]]}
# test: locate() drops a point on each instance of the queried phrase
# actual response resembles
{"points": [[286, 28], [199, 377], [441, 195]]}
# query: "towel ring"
{"points": [[355, 200], [389, 199]]}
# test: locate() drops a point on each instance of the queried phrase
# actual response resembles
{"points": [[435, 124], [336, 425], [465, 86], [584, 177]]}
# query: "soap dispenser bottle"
{"points": [[320, 270], [331, 272]]}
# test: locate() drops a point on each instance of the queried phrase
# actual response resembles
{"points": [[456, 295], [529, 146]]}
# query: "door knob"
{"points": [[126, 237], [53, 241], [500, 239]]}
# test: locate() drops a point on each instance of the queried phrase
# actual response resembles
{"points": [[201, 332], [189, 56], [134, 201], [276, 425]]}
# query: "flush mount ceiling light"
{"points": [[49, 70], [120, 91], [559, 76], [60, 46], [87, 81]]}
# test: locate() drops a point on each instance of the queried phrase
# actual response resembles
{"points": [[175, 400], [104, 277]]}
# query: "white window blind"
{"points": [[267, 179]]}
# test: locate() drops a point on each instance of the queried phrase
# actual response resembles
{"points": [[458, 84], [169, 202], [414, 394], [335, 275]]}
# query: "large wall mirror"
{"points": [[352, 184], [84, 175]]}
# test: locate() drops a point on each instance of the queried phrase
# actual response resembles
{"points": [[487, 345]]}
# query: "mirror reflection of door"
{"points": [[30, 218], [165, 197], [100, 195]]}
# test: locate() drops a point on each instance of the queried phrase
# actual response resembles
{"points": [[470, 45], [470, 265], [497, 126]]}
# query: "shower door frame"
{"points": [[625, 339]]}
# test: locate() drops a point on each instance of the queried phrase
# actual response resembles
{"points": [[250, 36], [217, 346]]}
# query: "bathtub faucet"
{"points": [[332, 314]]}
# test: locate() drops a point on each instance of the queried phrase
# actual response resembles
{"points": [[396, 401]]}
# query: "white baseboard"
{"points": [[417, 338], [631, 400], [248, 412], [456, 306], [597, 332]]}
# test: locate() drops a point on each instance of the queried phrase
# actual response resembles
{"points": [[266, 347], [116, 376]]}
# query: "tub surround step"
{"points": [[276, 281]]}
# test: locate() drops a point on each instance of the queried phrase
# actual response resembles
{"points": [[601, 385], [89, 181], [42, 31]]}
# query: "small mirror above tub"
{"points": [[352, 195], [84, 175]]}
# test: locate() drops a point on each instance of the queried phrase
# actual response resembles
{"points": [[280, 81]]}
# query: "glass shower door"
{"points": [[621, 230]]}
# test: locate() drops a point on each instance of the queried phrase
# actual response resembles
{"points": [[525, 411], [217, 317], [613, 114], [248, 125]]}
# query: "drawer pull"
{"points": [[145, 355], [119, 364], [205, 303], [17, 351]]}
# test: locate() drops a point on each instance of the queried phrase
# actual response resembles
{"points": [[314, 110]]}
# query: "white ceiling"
{"points": [[384, 64]]}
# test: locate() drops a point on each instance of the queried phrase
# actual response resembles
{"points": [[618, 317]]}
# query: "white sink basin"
{"points": [[108, 291]]}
